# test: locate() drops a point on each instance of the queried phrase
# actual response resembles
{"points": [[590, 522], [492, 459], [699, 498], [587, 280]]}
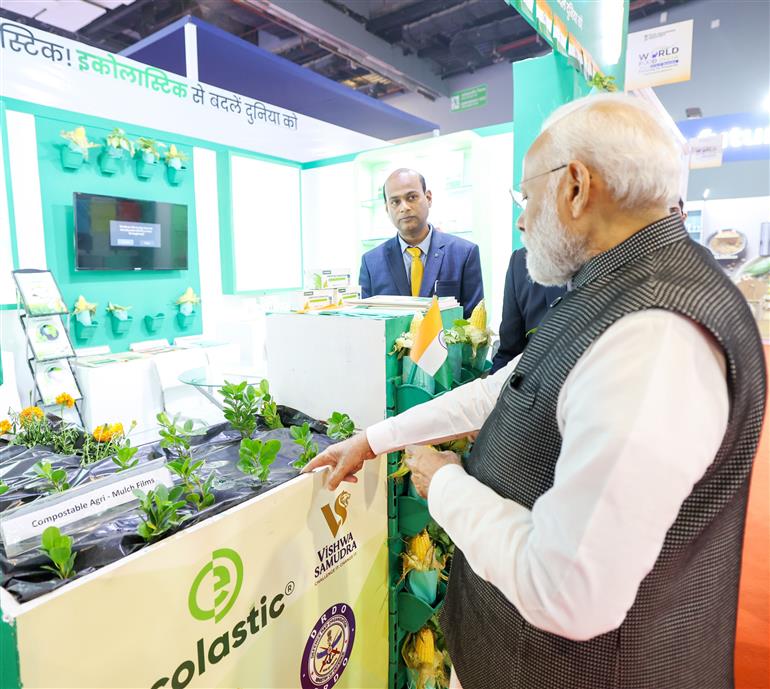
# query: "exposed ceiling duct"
{"points": [[375, 46]]}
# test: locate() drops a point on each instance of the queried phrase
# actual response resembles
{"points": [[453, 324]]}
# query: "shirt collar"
{"points": [[424, 245], [650, 238]]}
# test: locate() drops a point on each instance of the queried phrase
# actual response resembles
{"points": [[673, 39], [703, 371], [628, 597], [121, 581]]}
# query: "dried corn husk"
{"points": [[424, 660]]}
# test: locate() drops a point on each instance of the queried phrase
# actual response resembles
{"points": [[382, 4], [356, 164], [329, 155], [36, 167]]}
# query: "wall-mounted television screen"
{"points": [[113, 233]]}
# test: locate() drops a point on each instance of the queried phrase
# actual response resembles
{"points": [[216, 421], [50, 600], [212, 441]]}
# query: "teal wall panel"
{"points": [[148, 292], [540, 86]]}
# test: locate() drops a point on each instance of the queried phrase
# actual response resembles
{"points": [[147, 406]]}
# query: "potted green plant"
{"points": [[85, 326], [118, 144], [186, 304], [121, 321], [600, 83], [75, 151], [147, 156], [154, 321], [175, 167]]}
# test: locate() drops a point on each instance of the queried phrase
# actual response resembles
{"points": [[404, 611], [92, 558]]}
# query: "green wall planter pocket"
{"points": [[83, 333], [414, 612], [121, 327], [71, 160], [153, 323], [408, 396], [424, 585], [145, 170], [175, 175], [413, 515], [475, 362], [455, 357], [184, 321], [109, 164]]}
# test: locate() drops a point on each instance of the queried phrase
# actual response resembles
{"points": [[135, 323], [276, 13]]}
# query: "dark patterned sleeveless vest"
{"points": [[679, 633]]}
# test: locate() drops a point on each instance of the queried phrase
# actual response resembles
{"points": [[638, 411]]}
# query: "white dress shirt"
{"points": [[642, 415]]}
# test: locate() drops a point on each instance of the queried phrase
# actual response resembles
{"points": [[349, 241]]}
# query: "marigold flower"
{"points": [[29, 414], [5, 426], [65, 400], [107, 432]]}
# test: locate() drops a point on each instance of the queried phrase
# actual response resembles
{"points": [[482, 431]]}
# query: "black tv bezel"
{"points": [[75, 194]]}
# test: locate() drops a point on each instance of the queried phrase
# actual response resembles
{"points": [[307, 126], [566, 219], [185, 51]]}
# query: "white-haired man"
{"points": [[599, 518]]}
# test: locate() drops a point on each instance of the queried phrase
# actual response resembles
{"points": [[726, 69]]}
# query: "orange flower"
{"points": [[5, 426], [29, 414], [65, 400], [107, 432]]}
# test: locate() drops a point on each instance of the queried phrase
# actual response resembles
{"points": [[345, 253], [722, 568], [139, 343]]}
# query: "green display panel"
{"points": [[540, 85], [147, 292]]}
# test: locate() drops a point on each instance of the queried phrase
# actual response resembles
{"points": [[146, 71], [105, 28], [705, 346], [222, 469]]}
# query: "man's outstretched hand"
{"points": [[345, 459]]}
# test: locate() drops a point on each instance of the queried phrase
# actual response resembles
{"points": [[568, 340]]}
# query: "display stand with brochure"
{"points": [[49, 348]]}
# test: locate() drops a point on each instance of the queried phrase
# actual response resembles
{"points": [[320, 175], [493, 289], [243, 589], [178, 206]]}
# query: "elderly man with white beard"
{"points": [[598, 520]]}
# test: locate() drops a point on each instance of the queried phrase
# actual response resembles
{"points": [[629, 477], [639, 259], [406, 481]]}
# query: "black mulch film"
{"points": [[99, 545]]}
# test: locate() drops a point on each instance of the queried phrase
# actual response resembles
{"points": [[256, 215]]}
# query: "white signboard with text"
{"points": [[40, 67], [662, 55]]}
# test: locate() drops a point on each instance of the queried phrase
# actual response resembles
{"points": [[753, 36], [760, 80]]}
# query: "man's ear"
{"points": [[429, 196], [578, 188]]}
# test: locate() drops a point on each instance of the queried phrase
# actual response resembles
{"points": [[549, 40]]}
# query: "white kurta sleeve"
{"points": [[642, 416]]}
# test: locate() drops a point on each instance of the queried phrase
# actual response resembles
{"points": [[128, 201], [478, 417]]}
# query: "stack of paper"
{"points": [[406, 303]]}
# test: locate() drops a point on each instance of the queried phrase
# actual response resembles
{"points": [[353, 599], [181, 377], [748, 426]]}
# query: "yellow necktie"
{"points": [[415, 253]]}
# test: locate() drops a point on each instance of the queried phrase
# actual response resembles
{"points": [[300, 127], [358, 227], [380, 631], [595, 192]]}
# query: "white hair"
{"points": [[621, 137]]}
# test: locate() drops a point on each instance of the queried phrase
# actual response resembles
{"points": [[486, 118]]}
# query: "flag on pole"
{"points": [[429, 351]]}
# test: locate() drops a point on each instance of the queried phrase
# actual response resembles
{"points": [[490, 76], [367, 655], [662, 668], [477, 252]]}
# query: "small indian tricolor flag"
{"points": [[429, 351]]}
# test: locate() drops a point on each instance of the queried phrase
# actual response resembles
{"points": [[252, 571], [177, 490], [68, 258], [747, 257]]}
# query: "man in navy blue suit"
{"points": [[525, 304], [448, 265]]}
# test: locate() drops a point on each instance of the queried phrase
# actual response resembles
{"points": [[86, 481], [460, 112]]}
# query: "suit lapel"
{"points": [[433, 262], [396, 265]]}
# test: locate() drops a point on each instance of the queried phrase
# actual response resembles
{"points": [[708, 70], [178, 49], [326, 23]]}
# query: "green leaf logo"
{"points": [[216, 587]]}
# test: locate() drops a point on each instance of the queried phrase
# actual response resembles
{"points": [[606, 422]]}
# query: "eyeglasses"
{"points": [[519, 200]]}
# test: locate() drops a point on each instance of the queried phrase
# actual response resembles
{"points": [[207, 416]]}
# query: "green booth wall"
{"points": [[147, 292]]}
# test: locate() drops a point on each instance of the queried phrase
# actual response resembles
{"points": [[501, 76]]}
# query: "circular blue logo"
{"points": [[328, 648]]}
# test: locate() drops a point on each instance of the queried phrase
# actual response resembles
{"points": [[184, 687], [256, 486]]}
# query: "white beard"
{"points": [[554, 255]]}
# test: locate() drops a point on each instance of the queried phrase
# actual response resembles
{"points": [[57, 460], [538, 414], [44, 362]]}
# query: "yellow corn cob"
{"points": [[479, 316], [425, 647], [415, 325], [420, 546]]}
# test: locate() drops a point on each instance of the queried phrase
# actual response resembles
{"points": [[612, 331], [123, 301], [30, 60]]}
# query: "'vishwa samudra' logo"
{"points": [[328, 648], [337, 553], [340, 510]]}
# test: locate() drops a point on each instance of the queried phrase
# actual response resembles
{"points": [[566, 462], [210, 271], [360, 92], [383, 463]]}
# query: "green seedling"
{"points": [[160, 510], [256, 457], [65, 440], [124, 457], [241, 406], [304, 438], [58, 548], [269, 407], [56, 478], [174, 437], [3, 487], [197, 491], [340, 426], [34, 432]]}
